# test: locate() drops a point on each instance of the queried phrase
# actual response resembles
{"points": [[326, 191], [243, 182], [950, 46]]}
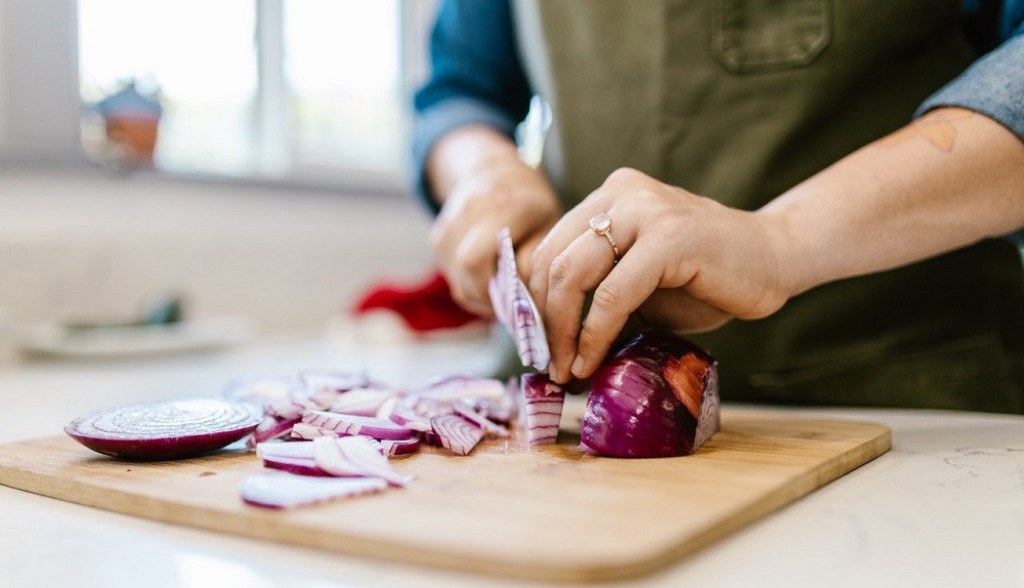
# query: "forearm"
{"points": [[947, 180]]}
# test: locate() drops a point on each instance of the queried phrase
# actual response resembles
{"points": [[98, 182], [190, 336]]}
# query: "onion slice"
{"points": [[456, 433], [165, 430], [515, 308], [287, 490], [350, 424], [355, 456], [543, 401]]}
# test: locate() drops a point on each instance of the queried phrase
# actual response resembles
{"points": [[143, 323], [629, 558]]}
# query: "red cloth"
{"points": [[425, 307]]}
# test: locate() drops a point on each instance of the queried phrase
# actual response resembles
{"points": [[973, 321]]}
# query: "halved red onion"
{"points": [[456, 433], [657, 397], [515, 308], [543, 401], [286, 490], [165, 430], [350, 424]]}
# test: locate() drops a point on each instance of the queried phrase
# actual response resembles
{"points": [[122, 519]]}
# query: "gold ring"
{"points": [[602, 226]]}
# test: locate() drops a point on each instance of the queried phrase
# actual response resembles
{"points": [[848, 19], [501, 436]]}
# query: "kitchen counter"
{"points": [[944, 508]]}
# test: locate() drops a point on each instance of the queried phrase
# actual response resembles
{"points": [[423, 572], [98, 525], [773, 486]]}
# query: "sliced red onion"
{"points": [[490, 428], [308, 432], [355, 456], [543, 401], [285, 449], [396, 447], [273, 428], [515, 308], [453, 388], [287, 490], [456, 433], [657, 397], [333, 380], [405, 416], [387, 407], [361, 401], [165, 430], [302, 466], [349, 424]]}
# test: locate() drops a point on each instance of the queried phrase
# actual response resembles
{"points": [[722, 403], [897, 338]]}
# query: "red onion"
{"points": [[355, 456], [302, 466], [456, 433], [657, 397], [165, 430], [515, 308], [350, 424], [396, 447], [543, 400], [286, 490], [491, 429]]}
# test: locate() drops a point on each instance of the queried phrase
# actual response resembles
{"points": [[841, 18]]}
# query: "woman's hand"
{"points": [[686, 263], [485, 187]]}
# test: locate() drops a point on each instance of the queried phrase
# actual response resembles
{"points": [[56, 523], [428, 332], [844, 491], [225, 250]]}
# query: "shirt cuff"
{"points": [[442, 118], [992, 86]]}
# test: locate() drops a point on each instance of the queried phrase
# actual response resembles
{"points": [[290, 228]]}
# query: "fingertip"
{"points": [[579, 366]]}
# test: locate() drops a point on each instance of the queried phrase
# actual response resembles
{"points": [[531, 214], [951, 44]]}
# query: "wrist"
{"points": [[464, 152]]}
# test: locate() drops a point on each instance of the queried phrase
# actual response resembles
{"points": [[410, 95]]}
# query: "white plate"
{"points": [[189, 335]]}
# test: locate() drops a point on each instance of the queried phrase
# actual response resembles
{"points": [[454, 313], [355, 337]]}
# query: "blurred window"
{"points": [[289, 89]]}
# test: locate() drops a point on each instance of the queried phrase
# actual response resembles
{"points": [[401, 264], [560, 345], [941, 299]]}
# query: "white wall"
{"points": [[39, 98]]}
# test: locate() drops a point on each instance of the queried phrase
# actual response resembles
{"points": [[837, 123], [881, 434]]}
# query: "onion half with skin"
{"points": [[657, 397]]}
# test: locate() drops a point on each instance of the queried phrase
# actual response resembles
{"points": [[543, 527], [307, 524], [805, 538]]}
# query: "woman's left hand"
{"points": [[686, 263]]}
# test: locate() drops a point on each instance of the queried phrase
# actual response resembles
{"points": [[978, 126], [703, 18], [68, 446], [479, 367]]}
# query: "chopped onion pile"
{"points": [[330, 424], [515, 308], [165, 430]]}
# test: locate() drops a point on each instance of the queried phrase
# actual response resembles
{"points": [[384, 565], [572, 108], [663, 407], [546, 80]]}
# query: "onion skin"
{"points": [[657, 397]]}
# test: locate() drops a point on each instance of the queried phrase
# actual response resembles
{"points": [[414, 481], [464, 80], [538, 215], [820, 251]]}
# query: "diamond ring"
{"points": [[602, 226]]}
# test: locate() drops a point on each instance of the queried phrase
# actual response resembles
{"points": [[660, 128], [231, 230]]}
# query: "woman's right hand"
{"points": [[484, 185]]}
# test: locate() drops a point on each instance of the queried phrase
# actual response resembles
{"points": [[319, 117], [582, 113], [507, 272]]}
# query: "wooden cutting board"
{"points": [[551, 514]]}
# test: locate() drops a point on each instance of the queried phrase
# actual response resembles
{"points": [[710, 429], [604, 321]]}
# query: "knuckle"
{"points": [[624, 174], [608, 296], [561, 271]]}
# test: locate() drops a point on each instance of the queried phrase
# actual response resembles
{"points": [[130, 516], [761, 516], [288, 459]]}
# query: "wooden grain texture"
{"points": [[552, 514]]}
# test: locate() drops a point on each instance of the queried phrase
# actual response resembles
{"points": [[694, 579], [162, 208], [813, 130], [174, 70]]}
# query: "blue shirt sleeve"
{"points": [[476, 78], [994, 84]]}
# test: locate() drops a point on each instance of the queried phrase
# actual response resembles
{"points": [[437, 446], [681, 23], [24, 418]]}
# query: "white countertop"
{"points": [[944, 508]]}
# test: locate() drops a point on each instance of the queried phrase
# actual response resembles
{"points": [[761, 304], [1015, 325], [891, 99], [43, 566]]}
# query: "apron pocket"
{"points": [[753, 36]]}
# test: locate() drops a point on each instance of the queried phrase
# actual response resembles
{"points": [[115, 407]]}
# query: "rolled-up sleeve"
{"points": [[475, 78], [994, 84]]}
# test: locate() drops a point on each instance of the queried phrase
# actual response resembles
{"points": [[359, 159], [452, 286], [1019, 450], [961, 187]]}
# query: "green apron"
{"points": [[740, 100]]}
